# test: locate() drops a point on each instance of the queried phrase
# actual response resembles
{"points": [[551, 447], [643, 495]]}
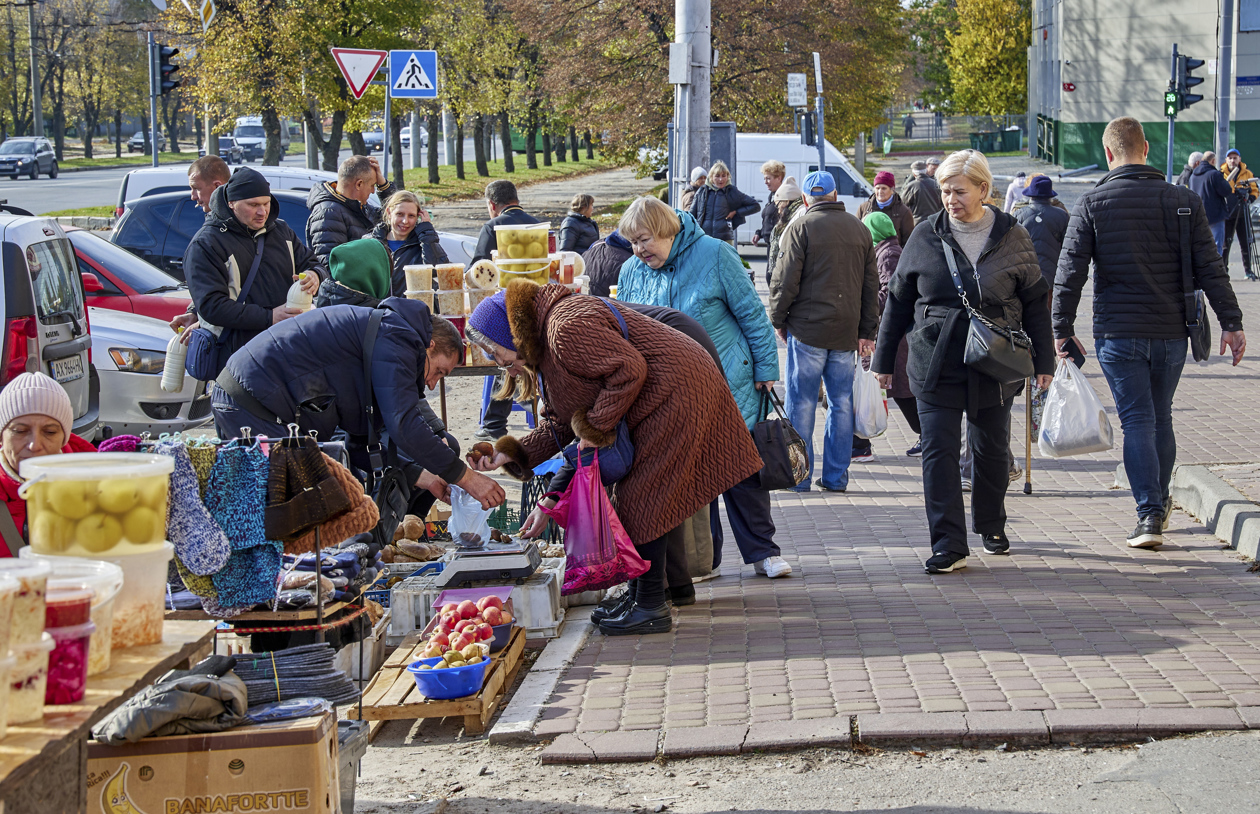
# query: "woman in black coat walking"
{"points": [[577, 230], [719, 208], [408, 233], [997, 269]]}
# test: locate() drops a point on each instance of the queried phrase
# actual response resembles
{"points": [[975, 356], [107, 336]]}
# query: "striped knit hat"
{"points": [[36, 394]]}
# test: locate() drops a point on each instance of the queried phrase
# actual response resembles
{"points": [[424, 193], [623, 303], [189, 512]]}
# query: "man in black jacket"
{"points": [[1193, 160], [1131, 226], [505, 210], [1218, 199], [340, 211], [921, 193], [243, 222]]}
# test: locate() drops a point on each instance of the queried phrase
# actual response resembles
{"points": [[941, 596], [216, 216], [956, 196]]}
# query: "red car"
{"points": [[115, 278]]}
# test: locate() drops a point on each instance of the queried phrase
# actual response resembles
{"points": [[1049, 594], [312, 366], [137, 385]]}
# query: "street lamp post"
{"points": [[37, 113]]}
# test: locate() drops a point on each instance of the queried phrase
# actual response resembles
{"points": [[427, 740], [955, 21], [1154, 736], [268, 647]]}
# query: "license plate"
{"points": [[67, 369]]}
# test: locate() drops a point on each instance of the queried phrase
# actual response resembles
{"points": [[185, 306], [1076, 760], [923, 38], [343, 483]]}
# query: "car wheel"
{"points": [[34, 170], [12, 177], [52, 170]]}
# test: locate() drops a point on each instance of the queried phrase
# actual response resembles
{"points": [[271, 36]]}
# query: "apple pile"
{"points": [[464, 624]]}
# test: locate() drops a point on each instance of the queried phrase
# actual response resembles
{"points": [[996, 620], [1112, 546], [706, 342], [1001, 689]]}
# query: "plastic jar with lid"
{"points": [[66, 607], [29, 680], [9, 587], [6, 672], [68, 663], [104, 579], [28, 602]]}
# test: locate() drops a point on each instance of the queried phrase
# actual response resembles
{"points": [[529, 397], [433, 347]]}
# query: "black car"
{"points": [[229, 151], [158, 228], [27, 156]]}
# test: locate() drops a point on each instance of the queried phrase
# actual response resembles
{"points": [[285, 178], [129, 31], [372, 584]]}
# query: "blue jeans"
{"points": [[1218, 234], [807, 367], [1143, 375]]}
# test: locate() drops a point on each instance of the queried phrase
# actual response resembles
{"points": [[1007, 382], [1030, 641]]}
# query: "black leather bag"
{"points": [[1196, 305], [1003, 354], [784, 456], [387, 484]]}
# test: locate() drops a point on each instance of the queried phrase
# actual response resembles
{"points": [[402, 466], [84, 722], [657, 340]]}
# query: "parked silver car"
{"points": [[129, 352]]}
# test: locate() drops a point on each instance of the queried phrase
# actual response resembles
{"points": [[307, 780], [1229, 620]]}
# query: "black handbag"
{"points": [[1196, 306], [784, 455], [386, 483], [204, 359], [1003, 354]]}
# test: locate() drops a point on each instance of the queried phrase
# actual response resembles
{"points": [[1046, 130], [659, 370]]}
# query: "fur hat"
{"points": [[363, 515]]}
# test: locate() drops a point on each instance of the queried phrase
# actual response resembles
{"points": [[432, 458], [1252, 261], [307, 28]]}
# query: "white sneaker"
{"points": [[714, 574], [773, 567]]}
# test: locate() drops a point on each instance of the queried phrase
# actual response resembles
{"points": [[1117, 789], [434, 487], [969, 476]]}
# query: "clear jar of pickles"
{"points": [[96, 504]]}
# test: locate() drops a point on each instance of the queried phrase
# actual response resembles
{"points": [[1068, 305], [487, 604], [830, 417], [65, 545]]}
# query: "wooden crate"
{"points": [[393, 695]]}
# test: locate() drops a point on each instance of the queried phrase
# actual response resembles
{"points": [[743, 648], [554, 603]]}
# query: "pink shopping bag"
{"points": [[600, 554]]}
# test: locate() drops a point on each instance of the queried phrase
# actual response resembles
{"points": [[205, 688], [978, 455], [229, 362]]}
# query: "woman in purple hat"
{"points": [[886, 199]]}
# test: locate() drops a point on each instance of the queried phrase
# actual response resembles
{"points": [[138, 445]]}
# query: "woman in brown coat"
{"points": [[690, 441]]}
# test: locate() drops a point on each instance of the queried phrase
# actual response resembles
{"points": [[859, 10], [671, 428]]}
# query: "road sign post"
{"points": [[818, 102], [797, 95]]}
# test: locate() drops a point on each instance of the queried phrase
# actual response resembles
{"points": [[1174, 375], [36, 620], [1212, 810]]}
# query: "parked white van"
{"points": [[251, 136], [754, 149]]}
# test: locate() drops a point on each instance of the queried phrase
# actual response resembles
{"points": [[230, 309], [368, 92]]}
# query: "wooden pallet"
{"points": [[393, 695]]}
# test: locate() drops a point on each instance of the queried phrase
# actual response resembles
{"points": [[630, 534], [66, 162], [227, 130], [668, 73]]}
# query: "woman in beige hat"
{"points": [[788, 197]]}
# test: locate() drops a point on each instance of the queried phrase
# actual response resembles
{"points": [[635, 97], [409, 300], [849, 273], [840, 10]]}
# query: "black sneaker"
{"points": [[1168, 507], [612, 607], [819, 484], [996, 543], [916, 451], [639, 621], [944, 563], [1147, 534]]}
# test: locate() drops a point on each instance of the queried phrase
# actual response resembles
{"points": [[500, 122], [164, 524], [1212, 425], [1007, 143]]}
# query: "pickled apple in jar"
{"points": [[94, 517]]}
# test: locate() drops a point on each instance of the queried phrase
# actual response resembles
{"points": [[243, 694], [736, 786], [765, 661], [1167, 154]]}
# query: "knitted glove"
{"points": [[199, 542]]}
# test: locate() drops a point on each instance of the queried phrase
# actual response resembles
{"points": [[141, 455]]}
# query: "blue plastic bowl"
{"points": [[452, 682]]}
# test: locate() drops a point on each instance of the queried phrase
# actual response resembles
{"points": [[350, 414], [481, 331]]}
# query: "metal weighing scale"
{"points": [[515, 561]]}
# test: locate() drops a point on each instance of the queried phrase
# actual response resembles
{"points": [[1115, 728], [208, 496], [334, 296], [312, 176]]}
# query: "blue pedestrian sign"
{"points": [[413, 74]]}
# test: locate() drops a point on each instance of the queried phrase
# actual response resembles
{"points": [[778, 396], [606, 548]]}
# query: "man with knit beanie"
{"points": [[35, 420], [885, 199], [231, 302]]}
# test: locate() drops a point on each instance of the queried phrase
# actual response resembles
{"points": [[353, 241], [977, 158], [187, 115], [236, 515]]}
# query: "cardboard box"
{"points": [[279, 767]]}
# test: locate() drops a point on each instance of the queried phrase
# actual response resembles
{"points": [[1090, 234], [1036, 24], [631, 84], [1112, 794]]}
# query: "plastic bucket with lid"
{"points": [[104, 579], [6, 671], [29, 680], [97, 504], [28, 602], [9, 587], [140, 609], [522, 241]]}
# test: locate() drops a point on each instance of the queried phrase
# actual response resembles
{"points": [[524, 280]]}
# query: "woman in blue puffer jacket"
{"points": [[676, 265], [719, 207]]}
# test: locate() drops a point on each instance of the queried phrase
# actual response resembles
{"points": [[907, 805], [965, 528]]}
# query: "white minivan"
{"points": [[252, 138], [754, 149]]}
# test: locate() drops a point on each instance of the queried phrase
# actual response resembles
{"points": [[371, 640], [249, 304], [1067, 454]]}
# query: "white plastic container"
{"points": [[419, 278], [9, 587], [28, 602], [29, 680], [103, 579], [173, 370], [141, 606], [6, 673], [298, 298]]}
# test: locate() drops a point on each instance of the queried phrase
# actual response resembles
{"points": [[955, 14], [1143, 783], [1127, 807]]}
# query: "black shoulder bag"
{"points": [[204, 360], [1004, 354], [1196, 305], [387, 484], [784, 455]]}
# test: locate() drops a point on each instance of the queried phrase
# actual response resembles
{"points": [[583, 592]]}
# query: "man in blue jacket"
{"points": [[309, 371], [1207, 182]]}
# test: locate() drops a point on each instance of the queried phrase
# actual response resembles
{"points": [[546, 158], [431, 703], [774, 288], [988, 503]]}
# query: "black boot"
{"points": [[612, 607], [639, 621], [680, 595]]}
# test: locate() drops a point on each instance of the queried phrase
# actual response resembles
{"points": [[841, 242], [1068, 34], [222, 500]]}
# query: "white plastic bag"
{"points": [[870, 411], [1074, 421], [469, 525]]}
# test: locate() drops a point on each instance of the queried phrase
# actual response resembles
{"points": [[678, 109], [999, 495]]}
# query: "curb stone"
{"points": [[518, 721], [1227, 513]]}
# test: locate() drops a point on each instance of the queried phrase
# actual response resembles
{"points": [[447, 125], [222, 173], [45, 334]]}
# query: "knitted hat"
{"points": [[490, 319], [36, 394], [362, 265], [789, 190], [698, 173], [247, 183], [120, 443], [363, 515], [301, 494], [880, 225], [886, 178]]}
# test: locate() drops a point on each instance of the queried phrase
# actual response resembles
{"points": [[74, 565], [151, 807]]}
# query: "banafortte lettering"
{"points": [[292, 800]]}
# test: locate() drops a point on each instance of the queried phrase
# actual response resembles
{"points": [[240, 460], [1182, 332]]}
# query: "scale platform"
{"points": [[514, 561]]}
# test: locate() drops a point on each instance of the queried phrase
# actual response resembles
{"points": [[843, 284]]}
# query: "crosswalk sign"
{"points": [[413, 74]]}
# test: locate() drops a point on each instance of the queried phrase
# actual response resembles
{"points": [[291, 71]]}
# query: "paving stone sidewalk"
{"points": [[1072, 620]]}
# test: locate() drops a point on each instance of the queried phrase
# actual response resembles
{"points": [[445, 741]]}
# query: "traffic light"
{"points": [[1172, 103], [167, 81], [807, 128], [1187, 80]]}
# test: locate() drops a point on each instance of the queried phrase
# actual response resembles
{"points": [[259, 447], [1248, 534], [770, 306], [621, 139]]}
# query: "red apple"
{"points": [[463, 640], [464, 624], [505, 618], [479, 618], [484, 632], [443, 626], [451, 618], [450, 607], [493, 616], [489, 602], [467, 609], [432, 651], [440, 637]]}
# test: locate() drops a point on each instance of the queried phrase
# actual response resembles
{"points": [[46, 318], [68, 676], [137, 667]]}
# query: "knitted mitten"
{"points": [[202, 586], [236, 497], [199, 542], [120, 443], [202, 457]]}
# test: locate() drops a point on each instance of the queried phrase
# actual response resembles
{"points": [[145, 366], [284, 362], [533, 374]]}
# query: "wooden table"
{"points": [[43, 764], [303, 615]]}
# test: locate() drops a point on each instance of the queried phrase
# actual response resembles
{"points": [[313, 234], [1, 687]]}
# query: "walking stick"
{"points": [[1028, 437]]}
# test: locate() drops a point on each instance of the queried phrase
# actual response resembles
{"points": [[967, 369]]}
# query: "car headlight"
{"points": [[24, 161], [138, 361]]}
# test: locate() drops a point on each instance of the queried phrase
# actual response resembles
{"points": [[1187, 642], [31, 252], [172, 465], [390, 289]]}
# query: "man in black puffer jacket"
{"points": [[310, 371], [603, 262], [340, 211], [1046, 224], [218, 259], [1136, 228]]}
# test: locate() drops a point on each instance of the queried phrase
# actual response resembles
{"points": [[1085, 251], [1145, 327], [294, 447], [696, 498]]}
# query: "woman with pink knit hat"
{"points": [[35, 420], [885, 199]]}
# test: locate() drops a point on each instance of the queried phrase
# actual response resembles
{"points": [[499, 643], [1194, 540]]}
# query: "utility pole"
{"points": [[690, 61], [448, 136], [818, 104], [37, 112], [153, 94], [415, 137], [1224, 77], [1172, 103]]}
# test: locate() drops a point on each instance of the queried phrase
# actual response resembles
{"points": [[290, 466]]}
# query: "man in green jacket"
{"points": [[824, 303]]}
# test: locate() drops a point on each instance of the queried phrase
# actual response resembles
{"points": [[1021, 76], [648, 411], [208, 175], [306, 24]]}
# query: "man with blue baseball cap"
{"points": [[824, 302]]}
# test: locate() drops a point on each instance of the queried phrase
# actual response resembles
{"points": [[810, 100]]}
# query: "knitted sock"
{"points": [[236, 497], [202, 457], [199, 542]]}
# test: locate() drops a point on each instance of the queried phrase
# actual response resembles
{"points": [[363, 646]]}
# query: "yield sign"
{"points": [[358, 66]]}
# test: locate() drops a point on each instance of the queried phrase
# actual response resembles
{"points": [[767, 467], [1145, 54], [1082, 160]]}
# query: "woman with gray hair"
{"points": [[973, 246]]}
